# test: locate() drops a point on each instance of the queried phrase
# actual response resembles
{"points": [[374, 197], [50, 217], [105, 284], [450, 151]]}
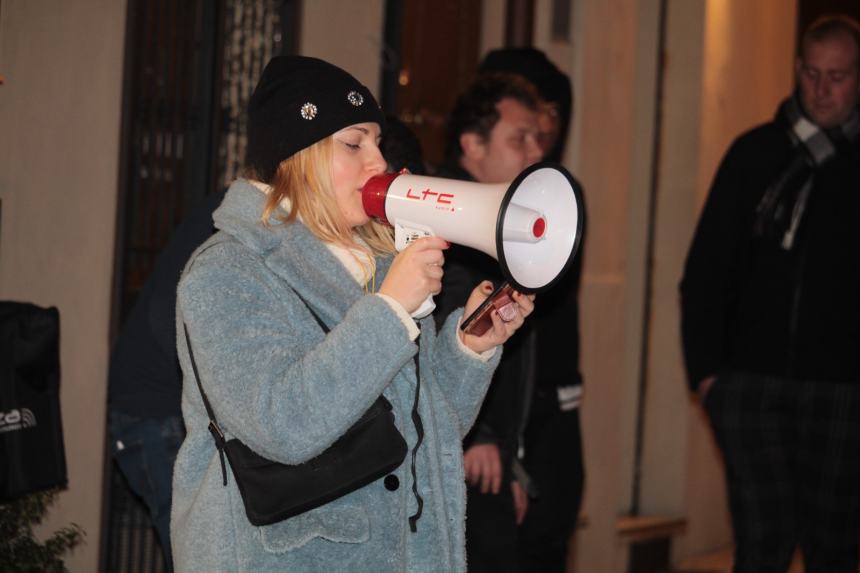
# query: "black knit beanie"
{"points": [[297, 102]]}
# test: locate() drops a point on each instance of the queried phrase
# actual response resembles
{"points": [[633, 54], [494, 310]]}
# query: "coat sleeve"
{"points": [[274, 379], [709, 284], [463, 378], [464, 269]]}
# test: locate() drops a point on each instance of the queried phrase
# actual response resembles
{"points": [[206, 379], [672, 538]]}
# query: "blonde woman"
{"points": [[294, 242]]}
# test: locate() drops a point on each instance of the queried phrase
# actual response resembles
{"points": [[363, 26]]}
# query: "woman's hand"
{"points": [[501, 330], [416, 273]]}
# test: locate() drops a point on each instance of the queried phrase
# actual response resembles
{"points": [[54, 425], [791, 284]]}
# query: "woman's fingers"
{"points": [[429, 244], [505, 322], [525, 302], [416, 272], [434, 271], [478, 295], [429, 258]]}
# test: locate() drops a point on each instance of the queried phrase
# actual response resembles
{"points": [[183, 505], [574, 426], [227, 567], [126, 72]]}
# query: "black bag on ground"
{"points": [[32, 457], [272, 492]]}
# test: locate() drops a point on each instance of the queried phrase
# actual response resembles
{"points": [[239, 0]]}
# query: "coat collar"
{"points": [[293, 253]]}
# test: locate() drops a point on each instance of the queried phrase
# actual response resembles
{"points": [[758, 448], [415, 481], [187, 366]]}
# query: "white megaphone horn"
{"points": [[532, 225]]}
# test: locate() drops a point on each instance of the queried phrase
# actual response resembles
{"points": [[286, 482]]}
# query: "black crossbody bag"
{"points": [[272, 492]]}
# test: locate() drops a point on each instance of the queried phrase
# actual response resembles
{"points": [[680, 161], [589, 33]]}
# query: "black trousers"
{"points": [[792, 458], [491, 530], [553, 447]]}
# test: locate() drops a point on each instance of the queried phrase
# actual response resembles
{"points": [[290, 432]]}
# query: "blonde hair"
{"points": [[305, 179]]}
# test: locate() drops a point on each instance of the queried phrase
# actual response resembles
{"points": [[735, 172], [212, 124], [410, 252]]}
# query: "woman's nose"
{"points": [[377, 163]]}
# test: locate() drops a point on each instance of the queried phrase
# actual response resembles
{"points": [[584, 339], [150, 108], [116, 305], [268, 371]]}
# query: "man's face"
{"points": [[829, 80], [510, 147]]}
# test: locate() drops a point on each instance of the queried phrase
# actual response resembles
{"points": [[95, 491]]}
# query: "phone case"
{"points": [[481, 320]]}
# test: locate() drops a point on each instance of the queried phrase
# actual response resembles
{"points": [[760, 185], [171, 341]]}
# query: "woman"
{"points": [[294, 241]]}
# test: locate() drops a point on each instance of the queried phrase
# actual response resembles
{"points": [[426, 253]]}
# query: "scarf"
{"points": [[780, 211]]}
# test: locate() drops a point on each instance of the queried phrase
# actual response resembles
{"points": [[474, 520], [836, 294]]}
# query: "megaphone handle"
{"points": [[404, 234], [425, 309]]}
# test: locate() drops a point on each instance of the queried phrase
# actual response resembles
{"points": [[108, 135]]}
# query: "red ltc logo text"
{"points": [[427, 194]]}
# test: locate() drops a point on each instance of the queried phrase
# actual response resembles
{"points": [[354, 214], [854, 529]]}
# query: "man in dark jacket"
{"points": [[551, 441], [492, 137], [145, 382], [771, 316], [526, 422]]}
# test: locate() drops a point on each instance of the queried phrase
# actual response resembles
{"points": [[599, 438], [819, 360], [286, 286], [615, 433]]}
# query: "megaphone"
{"points": [[532, 226]]}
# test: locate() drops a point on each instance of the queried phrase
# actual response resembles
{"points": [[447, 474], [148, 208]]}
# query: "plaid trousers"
{"points": [[792, 457]]}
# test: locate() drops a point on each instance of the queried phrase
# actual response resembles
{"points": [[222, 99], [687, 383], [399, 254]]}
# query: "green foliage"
{"points": [[19, 549]]}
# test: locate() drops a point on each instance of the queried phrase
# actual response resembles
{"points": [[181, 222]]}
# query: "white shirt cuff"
{"points": [[409, 322]]}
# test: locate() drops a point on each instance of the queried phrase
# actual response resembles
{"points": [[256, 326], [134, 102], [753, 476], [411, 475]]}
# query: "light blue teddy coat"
{"points": [[287, 390]]}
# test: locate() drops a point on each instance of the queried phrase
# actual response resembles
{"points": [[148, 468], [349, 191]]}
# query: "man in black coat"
{"points": [[493, 134], [771, 317], [145, 383], [551, 441]]}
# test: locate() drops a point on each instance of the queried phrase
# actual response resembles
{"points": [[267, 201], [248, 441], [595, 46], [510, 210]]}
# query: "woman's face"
{"points": [[356, 158]]}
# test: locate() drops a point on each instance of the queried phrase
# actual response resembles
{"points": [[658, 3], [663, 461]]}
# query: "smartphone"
{"points": [[481, 320]]}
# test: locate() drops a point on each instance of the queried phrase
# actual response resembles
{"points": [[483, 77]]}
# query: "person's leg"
{"points": [[145, 450], [755, 427], [491, 534], [553, 460], [829, 494]]}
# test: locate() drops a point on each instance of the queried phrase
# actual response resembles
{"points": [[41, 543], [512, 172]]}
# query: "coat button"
{"points": [[391, 482]]}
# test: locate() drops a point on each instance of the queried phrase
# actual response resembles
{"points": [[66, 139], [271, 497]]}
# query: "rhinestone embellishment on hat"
{"points": [[309, 111], [355, 98]]}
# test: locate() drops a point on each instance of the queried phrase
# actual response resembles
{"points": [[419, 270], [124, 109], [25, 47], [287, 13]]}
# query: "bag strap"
{"points": [[214, 428]]}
